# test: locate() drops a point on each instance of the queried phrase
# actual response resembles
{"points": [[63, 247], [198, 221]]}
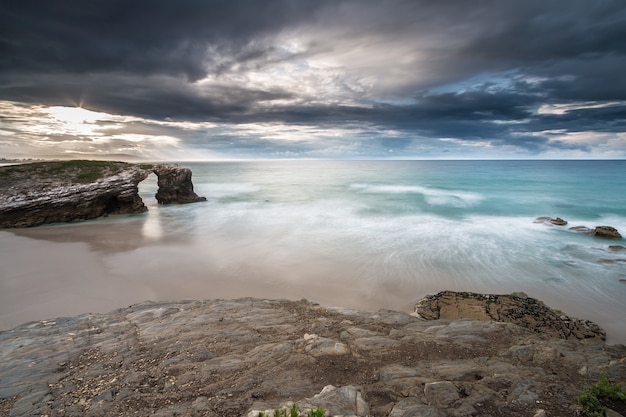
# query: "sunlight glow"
{"points": [[75, 115]]}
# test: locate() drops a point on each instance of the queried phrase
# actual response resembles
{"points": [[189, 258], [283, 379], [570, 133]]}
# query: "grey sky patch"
{"points": [[340, 78]]}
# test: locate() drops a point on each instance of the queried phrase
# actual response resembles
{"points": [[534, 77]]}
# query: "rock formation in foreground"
{"points": [[66, 191], [240, 357], [516, 308]]}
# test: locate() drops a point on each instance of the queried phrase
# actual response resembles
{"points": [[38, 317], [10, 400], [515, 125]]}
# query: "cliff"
{"points": [[241, 357], [66, 191]]}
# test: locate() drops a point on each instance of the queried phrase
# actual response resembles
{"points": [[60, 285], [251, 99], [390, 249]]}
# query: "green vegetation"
{"points": [[295, 412], [593, 396], [81, 171]]}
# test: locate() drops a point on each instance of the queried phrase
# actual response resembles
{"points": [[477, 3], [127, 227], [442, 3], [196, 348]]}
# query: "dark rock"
{"points": [[617, 248], [604, 232], [557, 222], [175, 186], [611, 261], [519, 309]]}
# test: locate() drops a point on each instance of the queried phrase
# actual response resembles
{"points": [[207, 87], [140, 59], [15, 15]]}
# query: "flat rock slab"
{"points": [[241, 357], [515, 308]]}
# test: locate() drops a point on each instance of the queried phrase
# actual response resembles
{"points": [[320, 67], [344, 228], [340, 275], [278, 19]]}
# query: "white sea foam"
{"points": [[219, 190], [433, 196]]}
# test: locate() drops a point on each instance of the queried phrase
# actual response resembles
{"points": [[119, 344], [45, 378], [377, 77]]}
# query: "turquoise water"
{"points": [[375, 234]]}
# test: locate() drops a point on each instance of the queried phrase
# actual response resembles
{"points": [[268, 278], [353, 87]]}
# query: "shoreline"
{"points": [[57, 285]]}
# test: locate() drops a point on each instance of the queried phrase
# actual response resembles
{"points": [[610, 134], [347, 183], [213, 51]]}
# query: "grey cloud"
{"points": [[142, 37], [145, 58]]}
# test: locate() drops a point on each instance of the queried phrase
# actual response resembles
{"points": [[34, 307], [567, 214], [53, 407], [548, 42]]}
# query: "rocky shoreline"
{"points": [[65, 191], [245, 356]]}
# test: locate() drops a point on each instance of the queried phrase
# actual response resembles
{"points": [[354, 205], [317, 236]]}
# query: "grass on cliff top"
{"points": [[80, 171]]}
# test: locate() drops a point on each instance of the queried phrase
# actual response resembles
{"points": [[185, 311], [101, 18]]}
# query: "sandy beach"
{"points": [[96, 267]]}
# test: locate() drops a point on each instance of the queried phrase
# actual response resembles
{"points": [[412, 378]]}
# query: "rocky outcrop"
{"points": [[516, 308], [548, 220], [50, 192], [175, 186], [604, 232], [68, 191], [240, 357]]}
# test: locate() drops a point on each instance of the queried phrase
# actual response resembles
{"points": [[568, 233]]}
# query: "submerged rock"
{"points": [[175, 186], [515, 308], [605, 232], [557, 222]]}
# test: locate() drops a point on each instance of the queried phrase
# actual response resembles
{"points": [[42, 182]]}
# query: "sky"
{"points": [[340, 79]]}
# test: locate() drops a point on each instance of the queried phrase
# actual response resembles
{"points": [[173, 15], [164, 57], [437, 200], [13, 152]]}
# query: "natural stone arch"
{"points": [[69, 191]]}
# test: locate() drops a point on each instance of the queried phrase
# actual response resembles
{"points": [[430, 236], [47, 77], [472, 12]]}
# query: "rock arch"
{"points": [[69, 191]]}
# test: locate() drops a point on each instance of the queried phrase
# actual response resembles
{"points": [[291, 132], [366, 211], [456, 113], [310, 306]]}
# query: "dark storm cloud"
{"points": [[185, 37], [471, 71], [153, 97]]}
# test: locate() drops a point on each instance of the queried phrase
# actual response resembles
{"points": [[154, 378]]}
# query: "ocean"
{"points": [[358, 234]]}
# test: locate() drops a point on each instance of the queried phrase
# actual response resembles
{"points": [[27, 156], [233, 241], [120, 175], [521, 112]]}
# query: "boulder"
{"points": [[441, 393], [515, 308], [548, 220], [175, 186], [346, 400], [604, 232]]}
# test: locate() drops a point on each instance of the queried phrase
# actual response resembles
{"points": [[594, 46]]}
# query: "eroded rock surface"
{"points": [[240, 357], [67, 191], [50, 192], [175, 186], [510, 308], [605, 232]]}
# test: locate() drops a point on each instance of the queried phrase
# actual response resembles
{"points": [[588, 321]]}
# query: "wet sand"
{"points": [[68, 270], [99, 266]]}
